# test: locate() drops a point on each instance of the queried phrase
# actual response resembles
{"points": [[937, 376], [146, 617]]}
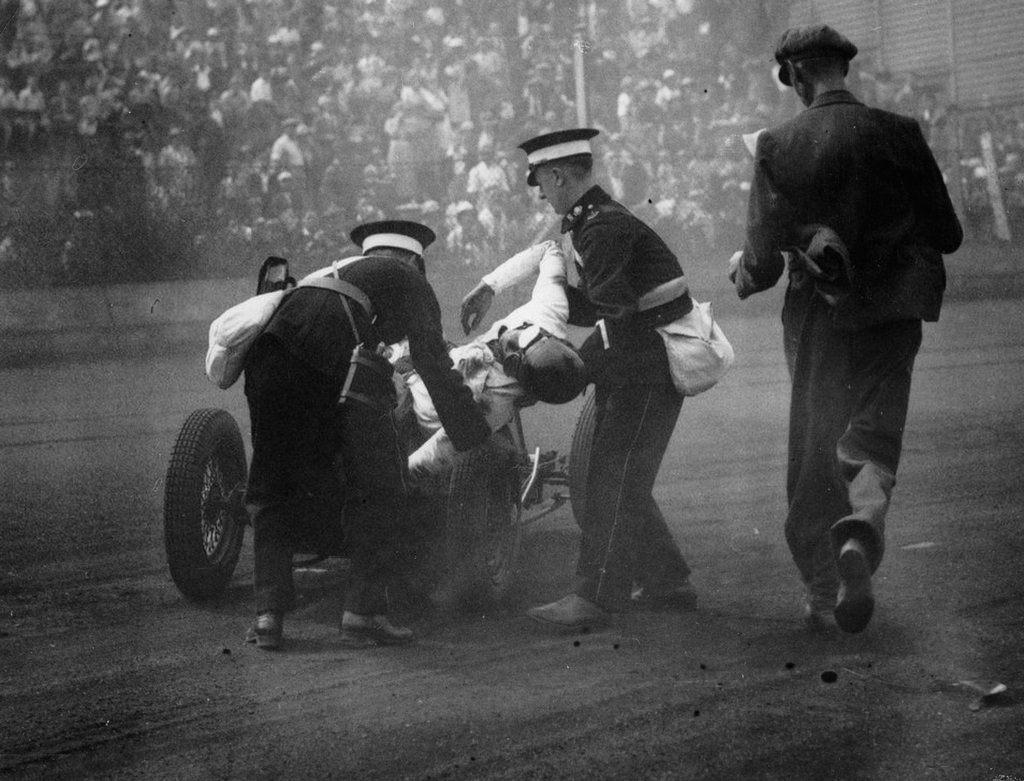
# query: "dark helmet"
{"points": [[549, 368]]}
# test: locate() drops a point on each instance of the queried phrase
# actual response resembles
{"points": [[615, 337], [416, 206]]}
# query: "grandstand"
{"points": [[150, 140]]}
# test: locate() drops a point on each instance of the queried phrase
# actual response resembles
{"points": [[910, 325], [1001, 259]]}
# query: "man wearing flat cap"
{"points": [[630, 283], [321, 401], [850, 200]]}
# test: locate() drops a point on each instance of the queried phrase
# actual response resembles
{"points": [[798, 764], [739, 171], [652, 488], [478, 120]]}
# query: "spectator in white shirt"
{"points": [[285, 153], [31, 104], [487, 181], [260, 90]]}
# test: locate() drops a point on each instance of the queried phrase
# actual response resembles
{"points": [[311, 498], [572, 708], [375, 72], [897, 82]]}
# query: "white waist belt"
{"points": [[663, 293]]}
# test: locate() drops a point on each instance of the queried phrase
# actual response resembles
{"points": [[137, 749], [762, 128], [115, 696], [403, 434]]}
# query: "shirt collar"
{"points": [[595, 196], [834, 96]]}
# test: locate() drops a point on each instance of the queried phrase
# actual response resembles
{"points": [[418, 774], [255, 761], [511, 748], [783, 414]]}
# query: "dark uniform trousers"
{"points": [[623, 529], [625, 538], [317, 461], [848, 409]]}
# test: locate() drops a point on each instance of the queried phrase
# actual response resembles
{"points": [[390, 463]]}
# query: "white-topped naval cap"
{"points": [[402, 234], [556, 146]]}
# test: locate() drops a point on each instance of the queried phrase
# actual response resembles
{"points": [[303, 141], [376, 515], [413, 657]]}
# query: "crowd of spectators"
{"points": [[220, 131]]}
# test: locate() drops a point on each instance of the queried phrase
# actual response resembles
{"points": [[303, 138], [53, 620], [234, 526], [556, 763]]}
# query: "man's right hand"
{"points": [[475, 306]]}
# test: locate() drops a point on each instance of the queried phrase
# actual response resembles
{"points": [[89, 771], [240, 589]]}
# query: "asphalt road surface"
{"points": [[106, 672]]}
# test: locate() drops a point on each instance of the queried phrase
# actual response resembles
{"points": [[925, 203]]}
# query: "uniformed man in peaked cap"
{"points": [[389, 235], [630, 282], [559, 145], [320, 394], [855, 199]]}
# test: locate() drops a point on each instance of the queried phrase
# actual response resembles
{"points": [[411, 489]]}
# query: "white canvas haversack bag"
{"points": [[233, 333], [699, 354]]}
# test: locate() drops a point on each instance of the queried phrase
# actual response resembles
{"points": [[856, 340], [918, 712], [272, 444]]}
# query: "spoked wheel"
{"points": [[204, 517], [483, 534], [579, 456]]}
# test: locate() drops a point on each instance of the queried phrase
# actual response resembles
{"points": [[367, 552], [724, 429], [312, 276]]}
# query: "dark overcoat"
{"points": [[869, 175]]}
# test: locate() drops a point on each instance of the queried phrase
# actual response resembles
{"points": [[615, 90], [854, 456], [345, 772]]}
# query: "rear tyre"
{"points": [[579, 457], [483, 535], [204, 516]]}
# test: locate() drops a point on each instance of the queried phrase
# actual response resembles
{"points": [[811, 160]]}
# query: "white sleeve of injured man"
{"points": [[494, 391], [548, 306], [519, 267]]}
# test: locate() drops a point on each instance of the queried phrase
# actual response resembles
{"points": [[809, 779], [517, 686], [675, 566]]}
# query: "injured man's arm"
{"points": [[548, 306], [495, 392]]}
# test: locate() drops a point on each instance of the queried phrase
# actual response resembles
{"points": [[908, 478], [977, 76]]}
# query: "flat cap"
{"points": [[813, 40], [401, 234], [556, 146]]}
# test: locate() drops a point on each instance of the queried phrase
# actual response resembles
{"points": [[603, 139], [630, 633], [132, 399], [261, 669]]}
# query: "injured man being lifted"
{"points": [[522, 358]]}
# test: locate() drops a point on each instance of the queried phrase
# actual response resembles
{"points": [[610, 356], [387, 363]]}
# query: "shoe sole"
{"points": [[856, 602]]}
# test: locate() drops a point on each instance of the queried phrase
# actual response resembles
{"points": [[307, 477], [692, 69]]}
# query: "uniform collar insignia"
{"points": [[592, 197]]}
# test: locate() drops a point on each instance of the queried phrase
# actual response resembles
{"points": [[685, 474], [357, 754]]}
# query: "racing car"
{"points": [[473, 516]]}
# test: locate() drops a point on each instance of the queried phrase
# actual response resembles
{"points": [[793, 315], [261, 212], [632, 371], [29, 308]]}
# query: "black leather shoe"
{"points": [[359, 631], [267, 631], [571, 612], [679, 598], [856, 601]]}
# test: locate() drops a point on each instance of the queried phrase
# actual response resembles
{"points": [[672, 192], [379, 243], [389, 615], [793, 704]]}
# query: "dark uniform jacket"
{"points": [[869, 176], [312, 324], [620, 258]]}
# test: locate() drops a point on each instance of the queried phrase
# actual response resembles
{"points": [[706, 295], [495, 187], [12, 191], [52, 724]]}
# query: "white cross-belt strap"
{"points": [[345, 291], [342, 287]]}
